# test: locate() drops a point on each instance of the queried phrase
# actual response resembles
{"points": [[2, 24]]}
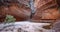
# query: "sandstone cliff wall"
{"points": [[45, 10]]}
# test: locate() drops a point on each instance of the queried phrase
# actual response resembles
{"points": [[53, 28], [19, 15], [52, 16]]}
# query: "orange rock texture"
{"points": [[45, 9]]}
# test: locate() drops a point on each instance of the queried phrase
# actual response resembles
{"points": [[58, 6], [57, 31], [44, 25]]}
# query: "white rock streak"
{"points": [[28, 27]]}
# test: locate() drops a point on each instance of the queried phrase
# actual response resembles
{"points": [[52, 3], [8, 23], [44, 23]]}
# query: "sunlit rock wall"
{"points": [[45, 9]]}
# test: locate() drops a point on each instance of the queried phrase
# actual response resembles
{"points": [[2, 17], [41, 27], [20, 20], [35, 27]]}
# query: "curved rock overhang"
{"points": [[45, 9]]}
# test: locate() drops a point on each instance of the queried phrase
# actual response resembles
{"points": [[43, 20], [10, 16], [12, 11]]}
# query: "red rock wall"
{"points": [[45, 9]]}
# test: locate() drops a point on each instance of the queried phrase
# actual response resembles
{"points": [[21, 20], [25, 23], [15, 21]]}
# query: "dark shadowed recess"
{"points": [[5, 3], [58, 2]]}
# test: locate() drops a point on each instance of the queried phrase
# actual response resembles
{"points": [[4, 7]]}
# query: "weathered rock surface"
{"points": [[25, 27], [45, 9]]}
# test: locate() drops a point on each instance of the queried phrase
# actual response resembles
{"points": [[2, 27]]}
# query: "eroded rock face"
{"points": [[24, 27], [56, 26], [19, 11], [45, 9]]}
